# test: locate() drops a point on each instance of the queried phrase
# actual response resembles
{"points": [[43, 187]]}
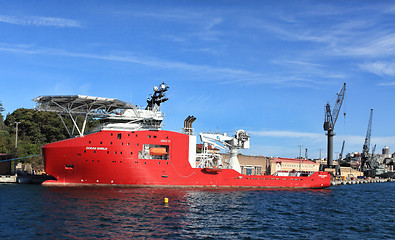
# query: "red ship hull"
{"points": [[117, 158]]}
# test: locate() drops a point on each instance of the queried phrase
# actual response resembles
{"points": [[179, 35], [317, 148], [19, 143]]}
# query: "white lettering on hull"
{"points": [[96, 148]]}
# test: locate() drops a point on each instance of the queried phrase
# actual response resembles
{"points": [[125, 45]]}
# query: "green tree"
{"points": [[35, 129], [4, 135], [1, 115]]}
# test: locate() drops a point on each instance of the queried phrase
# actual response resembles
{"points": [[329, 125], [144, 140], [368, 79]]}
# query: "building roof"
{"points": [[293, 160]]}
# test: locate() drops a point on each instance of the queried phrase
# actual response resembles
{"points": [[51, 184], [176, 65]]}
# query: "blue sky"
{"points": [[268, 67]]}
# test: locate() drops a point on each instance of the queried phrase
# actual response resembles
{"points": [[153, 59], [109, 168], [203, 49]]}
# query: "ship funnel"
{"points": [[188, 125]]}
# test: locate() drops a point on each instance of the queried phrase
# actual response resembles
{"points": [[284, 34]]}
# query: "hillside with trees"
{"points": [[35, 129]]}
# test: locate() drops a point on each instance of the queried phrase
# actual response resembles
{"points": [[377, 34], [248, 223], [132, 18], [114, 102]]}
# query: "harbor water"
{"points": [[364, 211]]}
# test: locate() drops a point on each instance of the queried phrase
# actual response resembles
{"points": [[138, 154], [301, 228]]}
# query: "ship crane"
{"points": [[240, 141], [330, 121], [367, 162]]}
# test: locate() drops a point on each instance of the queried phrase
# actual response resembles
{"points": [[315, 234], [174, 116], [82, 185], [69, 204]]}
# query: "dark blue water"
{"points": [[342, 212]]}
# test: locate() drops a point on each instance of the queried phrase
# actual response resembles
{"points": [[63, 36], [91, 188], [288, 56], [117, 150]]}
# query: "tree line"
{"points": [[35, 129]]}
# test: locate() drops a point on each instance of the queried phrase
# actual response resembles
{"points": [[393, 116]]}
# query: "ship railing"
{"points": [[189, 131]]}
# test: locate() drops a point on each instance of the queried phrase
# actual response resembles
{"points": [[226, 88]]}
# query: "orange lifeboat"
{"points": [[213, 170], [157, 151]]}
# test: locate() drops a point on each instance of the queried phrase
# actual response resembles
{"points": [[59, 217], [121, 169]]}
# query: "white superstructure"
{"points": [[113, 113]]}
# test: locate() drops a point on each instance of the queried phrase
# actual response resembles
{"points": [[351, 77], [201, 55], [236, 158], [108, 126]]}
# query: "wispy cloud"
{"points": [[386, 84], [222, 75], [351, 140], [370, 46], [380, 68], [288, 134], [40, 21]]}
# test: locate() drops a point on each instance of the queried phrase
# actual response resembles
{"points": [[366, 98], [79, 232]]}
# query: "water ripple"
{"points": [[341, 212]]}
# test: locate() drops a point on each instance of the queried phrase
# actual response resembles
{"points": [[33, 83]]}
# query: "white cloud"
{"points": [[371, 45], [288, 134], [387, 84], [40, 21], [222, 75], [380, 68]]}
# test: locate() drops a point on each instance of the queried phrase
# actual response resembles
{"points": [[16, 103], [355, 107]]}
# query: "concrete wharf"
{"points": [[360, 181]]}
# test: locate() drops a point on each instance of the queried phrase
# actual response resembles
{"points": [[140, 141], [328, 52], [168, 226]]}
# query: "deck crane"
{"points": [[240, 141], [330, 121], [367, 164]]}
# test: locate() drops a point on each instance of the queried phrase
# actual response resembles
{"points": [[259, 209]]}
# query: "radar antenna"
{"points": [[153, 103]]}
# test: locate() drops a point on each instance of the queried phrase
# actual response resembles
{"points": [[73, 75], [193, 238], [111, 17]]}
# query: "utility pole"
{"points": [[300, 151], [16, 144]]}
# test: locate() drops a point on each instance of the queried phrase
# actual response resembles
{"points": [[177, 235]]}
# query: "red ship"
{"points": [[130, 148]]}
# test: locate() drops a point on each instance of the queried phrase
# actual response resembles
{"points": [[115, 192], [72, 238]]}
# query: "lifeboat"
{"points": [[213, 170], [157, 151]]}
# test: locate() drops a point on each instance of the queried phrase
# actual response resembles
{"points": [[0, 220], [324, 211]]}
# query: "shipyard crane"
{"points": [[240, 141], [339, 161], [341, 153], [374, 149], [330, 121], [367, 162]]}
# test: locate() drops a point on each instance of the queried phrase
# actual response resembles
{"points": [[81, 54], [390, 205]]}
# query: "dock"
{"points": [[360, 181], [33, 179]]}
